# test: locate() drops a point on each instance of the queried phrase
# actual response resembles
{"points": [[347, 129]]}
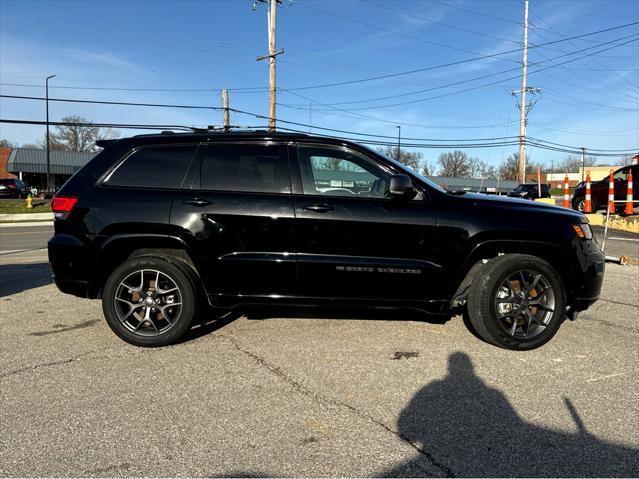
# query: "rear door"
{"points": [[238, 215], [352, 241]]}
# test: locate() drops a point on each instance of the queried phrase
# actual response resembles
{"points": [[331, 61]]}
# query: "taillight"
{"points": [[62, 205]]}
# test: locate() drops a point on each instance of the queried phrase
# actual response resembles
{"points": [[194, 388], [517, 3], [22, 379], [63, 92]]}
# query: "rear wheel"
{"points": [[517, 302], [149, 301]]}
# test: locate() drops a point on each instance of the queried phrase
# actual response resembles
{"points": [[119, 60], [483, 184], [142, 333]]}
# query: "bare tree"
{"points": [[572, 163], [480, 169], [412, 159], [509, 167], [78, 138], [6, 144], [454, 164], [428, 168]]}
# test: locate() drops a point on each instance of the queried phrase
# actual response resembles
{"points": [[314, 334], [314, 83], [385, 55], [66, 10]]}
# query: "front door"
{"points": [[352, 240]]}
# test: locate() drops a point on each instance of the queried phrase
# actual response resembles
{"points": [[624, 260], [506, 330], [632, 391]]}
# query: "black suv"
{"points": [[530, 191], [166, 227]]}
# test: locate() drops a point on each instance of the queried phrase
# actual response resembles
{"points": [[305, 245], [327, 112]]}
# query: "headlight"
{"points": [[583, 230]]}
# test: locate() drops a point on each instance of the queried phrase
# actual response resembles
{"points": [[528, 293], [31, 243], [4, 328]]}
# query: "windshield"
{"points": [[525, 188], [408, 170]]}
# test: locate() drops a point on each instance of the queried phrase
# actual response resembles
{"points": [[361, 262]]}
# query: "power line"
{"points": [[380, 141], [400, 34], [350, 82], [475, 12], [125, 103], [437, 22], [475, 87], [458, 62], [69, 87], [469, 80]]}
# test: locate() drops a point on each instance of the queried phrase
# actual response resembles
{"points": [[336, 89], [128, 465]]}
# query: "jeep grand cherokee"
{"points": [[158, 225]]}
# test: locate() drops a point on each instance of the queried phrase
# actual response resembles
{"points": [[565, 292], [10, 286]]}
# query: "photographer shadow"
{"points": [[465, 428]]}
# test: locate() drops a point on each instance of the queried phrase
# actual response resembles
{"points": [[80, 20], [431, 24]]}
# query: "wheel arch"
{"points": [[120, 248], [488, 250]]}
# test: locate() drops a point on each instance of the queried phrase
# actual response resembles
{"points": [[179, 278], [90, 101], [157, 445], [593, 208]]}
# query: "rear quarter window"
{"points": [[153, 167]]}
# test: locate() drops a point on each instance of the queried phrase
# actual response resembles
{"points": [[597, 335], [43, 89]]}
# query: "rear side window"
{"points": [[246, 168], [154, 167]]}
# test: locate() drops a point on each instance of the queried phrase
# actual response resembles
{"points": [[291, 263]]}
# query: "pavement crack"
{"points": [[321, 398], [50, 364]]}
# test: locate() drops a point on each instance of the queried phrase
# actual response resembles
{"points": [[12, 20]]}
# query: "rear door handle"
{"points": [[197, 202], [319, 208]]}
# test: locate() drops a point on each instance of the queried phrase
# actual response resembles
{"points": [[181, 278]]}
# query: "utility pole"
{"points": [[225, 106], [583, 162], [272, 54], [49, 186], [522, 117], [399, 142]]}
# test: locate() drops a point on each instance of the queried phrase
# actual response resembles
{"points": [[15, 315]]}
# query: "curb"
{"points": [[26, 223], [26, 217]]}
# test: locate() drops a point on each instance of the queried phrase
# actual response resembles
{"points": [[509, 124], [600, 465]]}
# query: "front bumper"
{"points": [[589, 280]]}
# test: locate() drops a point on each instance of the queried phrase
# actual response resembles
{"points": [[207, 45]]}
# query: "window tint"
{"points": [[622, 175], [154, 167], [335, 172], [250, 168]]}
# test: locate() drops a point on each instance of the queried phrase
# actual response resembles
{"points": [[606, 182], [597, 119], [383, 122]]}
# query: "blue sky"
{"points": [[207, 45]]}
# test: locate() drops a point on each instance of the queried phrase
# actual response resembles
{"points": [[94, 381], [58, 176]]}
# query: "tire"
{"points": [[578, 204], [491, 313], [160, 320]]}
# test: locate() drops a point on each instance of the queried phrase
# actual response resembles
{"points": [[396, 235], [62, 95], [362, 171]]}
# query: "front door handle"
{"points": [[319, 208], [197, 202]]}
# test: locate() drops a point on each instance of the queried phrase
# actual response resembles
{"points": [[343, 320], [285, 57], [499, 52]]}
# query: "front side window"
{"points": [[337, 172], [246, 168], [153, 167], [621, 175]]}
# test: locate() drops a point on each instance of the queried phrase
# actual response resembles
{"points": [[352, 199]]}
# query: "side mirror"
{"points": [[401, 187]]}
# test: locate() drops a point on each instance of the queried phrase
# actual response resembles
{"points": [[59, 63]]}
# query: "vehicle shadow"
{"points": [[211, 320], [465, 428], [15, 278]]}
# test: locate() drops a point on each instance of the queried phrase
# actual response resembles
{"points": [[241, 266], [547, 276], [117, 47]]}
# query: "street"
{"points": [[312, 392]]}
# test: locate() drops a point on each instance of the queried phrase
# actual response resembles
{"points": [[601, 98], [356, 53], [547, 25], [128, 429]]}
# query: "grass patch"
{"points": [[20, 206]]}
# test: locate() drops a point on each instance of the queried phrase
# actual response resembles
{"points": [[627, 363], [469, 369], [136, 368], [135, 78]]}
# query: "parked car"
{"points": [[13, 188], [530, 191], [599, 190], [165, 227]]}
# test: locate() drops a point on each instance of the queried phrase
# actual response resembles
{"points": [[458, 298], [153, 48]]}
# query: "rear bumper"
{"points": [[69, 260], [76, 287]]}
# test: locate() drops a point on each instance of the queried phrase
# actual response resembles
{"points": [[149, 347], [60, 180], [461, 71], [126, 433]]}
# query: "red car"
{"points": [[599, 190]]}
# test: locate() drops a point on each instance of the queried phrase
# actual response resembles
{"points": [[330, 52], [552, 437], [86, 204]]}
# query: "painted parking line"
{"points": [[617, 238]]}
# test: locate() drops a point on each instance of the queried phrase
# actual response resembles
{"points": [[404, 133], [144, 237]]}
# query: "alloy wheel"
{"points": [[524, 304], [148, 302]]}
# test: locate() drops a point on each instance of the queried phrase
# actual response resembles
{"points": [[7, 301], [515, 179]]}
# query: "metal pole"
{"points": [[583, 162], [46, 83], [399, 141], [522, 116]]}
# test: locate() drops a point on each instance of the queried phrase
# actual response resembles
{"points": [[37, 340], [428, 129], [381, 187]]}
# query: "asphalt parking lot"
{"points": [[312, 392]]}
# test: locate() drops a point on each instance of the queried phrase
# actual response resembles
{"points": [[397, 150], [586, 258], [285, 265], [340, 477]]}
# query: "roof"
{"points": [[34, 160]]}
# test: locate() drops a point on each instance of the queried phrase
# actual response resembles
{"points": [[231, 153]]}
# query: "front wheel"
{"points": [[149, 301], [517, 302]]}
